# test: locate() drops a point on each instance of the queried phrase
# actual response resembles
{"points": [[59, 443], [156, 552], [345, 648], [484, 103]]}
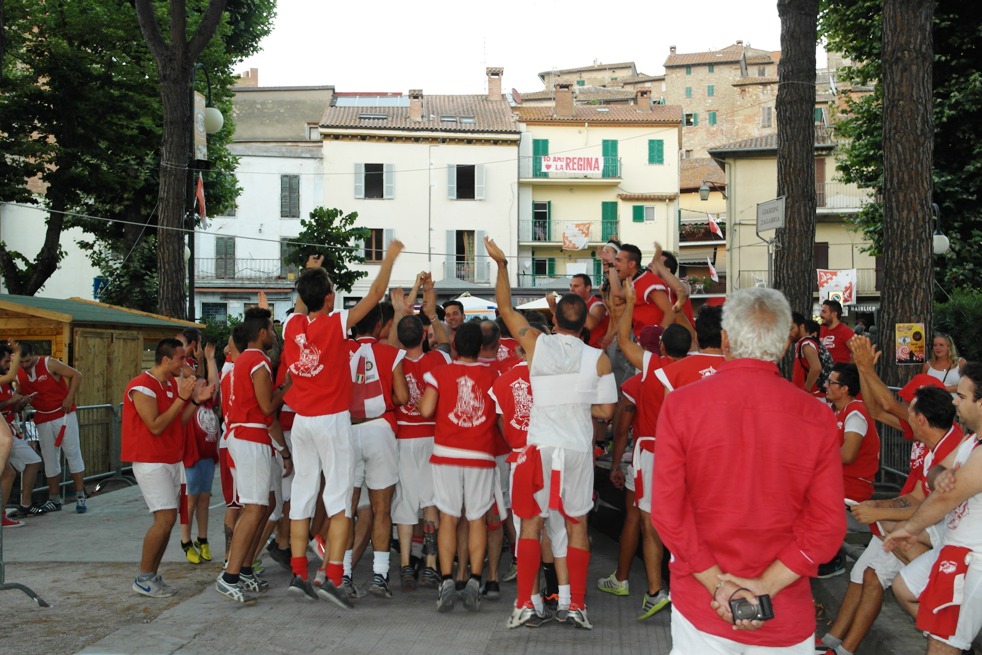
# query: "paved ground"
{"points": [[83, 566]]}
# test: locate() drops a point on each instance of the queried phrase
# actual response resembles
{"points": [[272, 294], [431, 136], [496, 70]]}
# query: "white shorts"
{"points": [[252, 471], [558, 537], [22, 455], [456, 487], [48, 433], [644, 460], [688, 640], [160, 484], [504, 478], [884, 564], [916, 573], [276, 485], [629, 477], [287, 482], [321, 444], [576, 489], [414, 491], [373, 444]]}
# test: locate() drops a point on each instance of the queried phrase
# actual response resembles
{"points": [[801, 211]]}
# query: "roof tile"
{"points": [[668, 114], [489, 116]]}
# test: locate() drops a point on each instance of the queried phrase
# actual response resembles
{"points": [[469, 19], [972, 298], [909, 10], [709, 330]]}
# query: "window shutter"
{"points": [[452, 181], [359, 180], [710, 90], [481, 272], [450, 263], [656, 151], [284, 196], [688, 92], [479, 182], [548, 220], [388, 236], [294, 196], [598, 272], [608, 218], [540, 147], [389, 181], [695, 118], [637, 214], [551, 267], [610, 158], [712, 118]]}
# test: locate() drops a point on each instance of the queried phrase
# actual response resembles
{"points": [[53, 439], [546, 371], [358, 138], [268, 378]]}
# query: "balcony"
{"points": [[578, 169], [841, 197], [702, 286], [550, 231], [867, 280], [698, 232], [243, 272], [469, 271], [545, 282]]}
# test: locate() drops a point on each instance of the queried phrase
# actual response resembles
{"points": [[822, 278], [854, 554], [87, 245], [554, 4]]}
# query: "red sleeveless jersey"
{"points": [[316, 352], [411, 424], [138, 443], [245, 417], [51, 391]]}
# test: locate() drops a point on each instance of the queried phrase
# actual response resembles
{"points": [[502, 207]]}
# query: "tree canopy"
{"points": [[331, 232]]}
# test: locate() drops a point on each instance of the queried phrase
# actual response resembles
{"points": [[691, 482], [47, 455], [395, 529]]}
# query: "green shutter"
{"points": [[548, 220], [580, 82], [688, 92], [598, 272], [818, 115], [611, 168], [695, 118], [710, 90], [712, 118], [712, 68], [540, 147], [688, 70], [656, 151], [608, 219], [637, 214], [551, 266]]}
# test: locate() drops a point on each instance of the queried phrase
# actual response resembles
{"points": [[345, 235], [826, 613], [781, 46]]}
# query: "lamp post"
{"points": [[207, 120], [940, 242], [704, 190]]}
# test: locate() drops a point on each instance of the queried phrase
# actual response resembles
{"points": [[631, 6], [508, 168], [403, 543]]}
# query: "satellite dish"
{"points": [[516, 96]]}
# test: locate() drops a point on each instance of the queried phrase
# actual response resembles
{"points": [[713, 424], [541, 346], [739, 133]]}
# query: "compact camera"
{"points": [[741, 608]]}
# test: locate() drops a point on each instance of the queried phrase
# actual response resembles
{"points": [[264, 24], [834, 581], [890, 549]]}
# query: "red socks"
{"points": [[334, 572], [578, 561], [299, 566], [529, 556]]}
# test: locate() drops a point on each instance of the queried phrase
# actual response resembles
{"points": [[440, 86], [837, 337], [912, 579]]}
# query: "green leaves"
{"points": [[331, 233]]}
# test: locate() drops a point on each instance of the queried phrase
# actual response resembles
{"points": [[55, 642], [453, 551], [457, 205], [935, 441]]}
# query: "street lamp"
{"points": [[940, 242], [704, 190]]}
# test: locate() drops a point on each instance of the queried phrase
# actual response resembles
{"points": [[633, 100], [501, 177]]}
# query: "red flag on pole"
{"points": [[714, 227], [199, 198], [712, 270]]}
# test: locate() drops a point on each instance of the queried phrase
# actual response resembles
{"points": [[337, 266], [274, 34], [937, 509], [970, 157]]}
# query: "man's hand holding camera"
{"points": [[741, 601]]}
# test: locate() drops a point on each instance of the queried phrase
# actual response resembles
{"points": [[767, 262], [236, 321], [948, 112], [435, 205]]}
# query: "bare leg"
{"points": [[847, 610], [654, 551], [477, 541], [904, 596], [462, 550], [381, 503], [155, 541], [27, 481], [935, 647], [79, 480], [630, 535], [447, 542], [231, 518], [405, 543], [495, 536], [242, 540], [201, 514], [866, 613], [192, 502]]}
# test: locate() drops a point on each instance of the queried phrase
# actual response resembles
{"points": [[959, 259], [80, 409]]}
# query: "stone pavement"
{"points": [[105, 545]]}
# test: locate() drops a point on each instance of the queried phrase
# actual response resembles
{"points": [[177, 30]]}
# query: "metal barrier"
{"points": [[894, 455]]}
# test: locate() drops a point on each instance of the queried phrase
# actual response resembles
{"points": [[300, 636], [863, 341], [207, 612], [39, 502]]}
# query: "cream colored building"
{"points": [[750, 168], [587, 173]]}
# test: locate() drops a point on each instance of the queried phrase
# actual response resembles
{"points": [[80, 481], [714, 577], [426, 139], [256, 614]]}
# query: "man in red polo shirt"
{"points": [[724, 459], [835, 334], [155, 407], [653, 305]]}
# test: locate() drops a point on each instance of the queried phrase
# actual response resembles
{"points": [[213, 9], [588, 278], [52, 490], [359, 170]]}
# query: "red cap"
{"points": [[920, 380], [650, 338]]}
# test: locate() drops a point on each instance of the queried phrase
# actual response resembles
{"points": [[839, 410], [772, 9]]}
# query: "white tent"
{"points": [[540, 304], [474, 306]]}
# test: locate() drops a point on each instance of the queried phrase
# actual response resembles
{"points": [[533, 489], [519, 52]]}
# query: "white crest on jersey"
{"points": [[521, 392], [947, 567], [415, 393], [469, 411], [502, 352], [706, 372], [308, 364]]}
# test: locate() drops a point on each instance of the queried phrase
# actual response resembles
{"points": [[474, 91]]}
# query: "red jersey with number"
{"points": [[384, 358], [646, 312], [600, 329], [512, 394], [138, 443], [316, 352], [688, 370], [51, 391], [465, 434], [835, 341], [857, 476], [410, 423], [245, 417]]}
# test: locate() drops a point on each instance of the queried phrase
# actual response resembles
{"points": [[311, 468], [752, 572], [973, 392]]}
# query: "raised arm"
{"points": [[632, 351], [440, 334], [880, 401], [517, 324], [378, 288]]}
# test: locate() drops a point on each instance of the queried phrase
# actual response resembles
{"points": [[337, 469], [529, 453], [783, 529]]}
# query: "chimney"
{"points": [[642, 97], [671, 49], [739, 41], [248, 79], [494, 83], [416, 105], [564, 99]]}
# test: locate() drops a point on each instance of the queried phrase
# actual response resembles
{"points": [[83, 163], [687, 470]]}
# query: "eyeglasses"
{"points": [[838, 384]]}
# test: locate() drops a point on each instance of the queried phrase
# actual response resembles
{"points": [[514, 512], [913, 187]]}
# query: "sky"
{"points": [[444, 47]]}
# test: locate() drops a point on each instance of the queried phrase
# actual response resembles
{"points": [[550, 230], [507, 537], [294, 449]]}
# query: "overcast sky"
{"points": [[444, 47]]}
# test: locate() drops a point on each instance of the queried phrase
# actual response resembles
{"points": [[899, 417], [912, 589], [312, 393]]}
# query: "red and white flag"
{"points": [[712, 269], [199, 199], [714, 227]]}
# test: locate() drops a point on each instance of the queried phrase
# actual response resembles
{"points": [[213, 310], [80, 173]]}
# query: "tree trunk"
{"points": [[794, 259], [908, 151]]}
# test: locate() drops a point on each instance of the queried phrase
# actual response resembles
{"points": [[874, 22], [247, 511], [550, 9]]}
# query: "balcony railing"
{"points": [[243, 269], [838, 195], [867, 280], [699, 232], [476, 272], [551, 230], [570, 168], [706, 286], [531, 280]]}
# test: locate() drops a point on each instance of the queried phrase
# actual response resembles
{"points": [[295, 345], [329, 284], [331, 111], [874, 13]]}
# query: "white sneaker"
{"points": [[233, 592], [153, 588], [520, 616]]}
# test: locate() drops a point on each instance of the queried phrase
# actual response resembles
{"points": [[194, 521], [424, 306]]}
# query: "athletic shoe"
{"points": [[651, 605], [349, 588], [612, 585], [429, 579], [11, 523], [233, 591], [25, 511], [551, 601], [253, 584], [520, 616], [471, 595], [538, 620], [408, 578], [578, 619], [80, 507], [380, 586], [302, 589], [192, 554], [448, 596], [561, 615], [163, 585], [339, 597], [512, 572], [820, 647], [317, 547], [204, 549], [51, 506], [492, 590], [152, 588], [831, 569], [257, 566], [280, 555]]}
